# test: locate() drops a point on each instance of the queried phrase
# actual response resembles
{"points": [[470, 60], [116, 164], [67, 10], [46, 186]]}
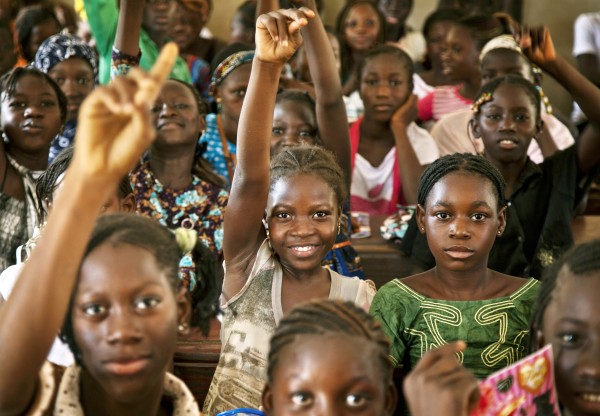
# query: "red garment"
{"points": [[358, 204]]}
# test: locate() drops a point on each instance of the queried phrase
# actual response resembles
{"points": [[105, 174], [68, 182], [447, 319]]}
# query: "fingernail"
{"points": [[285, 43]]}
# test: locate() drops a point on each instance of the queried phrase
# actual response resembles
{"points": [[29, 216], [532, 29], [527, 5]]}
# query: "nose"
{"points": [[166, 110], [302, 227], [459, 229], [290, 139], [33, 110], [123, 327], [507, 123], [588, 365], [383, 89]]}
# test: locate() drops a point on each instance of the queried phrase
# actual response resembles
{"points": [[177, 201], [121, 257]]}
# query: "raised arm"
{"points": [[539, 48], [114, 129], [277, 38], [127, 39], [331, 111], [410, 167]]}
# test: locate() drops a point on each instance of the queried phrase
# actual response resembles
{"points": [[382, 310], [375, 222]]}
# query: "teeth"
{"points": [[591, 397], [303, 249]]}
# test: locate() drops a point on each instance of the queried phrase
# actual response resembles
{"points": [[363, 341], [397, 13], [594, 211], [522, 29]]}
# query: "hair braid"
{"points": [[330, 317]]}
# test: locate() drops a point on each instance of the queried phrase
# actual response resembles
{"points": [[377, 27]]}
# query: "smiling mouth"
{"points": [[169, 124], [589, 397], [305, 250], [508, 143]]}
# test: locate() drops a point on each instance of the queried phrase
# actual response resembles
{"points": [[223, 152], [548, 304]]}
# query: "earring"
{"points": [[339, 228], [181, 328], [499, 232], [423, 229]]}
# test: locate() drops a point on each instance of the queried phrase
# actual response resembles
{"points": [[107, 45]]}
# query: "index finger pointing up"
{"points": [[149, 87]]}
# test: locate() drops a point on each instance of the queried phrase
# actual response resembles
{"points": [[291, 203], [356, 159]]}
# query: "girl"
{"points": [[228, 84], [73, 65], [33, 26], [33, 110], [502, 56], [360, 26], [461, 211], [309, 360], [388, 149], [565, 315], [542, 197], [435, 28], [105, 19], [299, 199], [125, 311], [460, 60], [398, 32]]}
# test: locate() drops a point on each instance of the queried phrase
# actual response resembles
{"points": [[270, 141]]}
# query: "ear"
{"points": [[502, 220], [475, 128], [201, 123], [127, 204], [539, 128], [420, 216], [538, 340], [391, 399], [267, 399], [184, 309]]}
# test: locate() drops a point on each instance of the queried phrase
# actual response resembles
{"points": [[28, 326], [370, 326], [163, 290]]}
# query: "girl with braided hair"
{"points": [[308, 362], [461, 211], [272, 268]]}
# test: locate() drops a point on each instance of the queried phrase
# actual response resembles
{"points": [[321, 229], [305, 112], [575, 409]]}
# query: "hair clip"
{"points": [[483, 98], [186, 239], [545, 99]]}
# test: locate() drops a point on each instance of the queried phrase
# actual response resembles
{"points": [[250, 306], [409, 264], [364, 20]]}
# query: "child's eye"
{"points": [[282, 215], [372, 82], [306, 134], [17, 104], [240, 92], [301, 399], [181, 106], [370, 22], [148, 302], [321, 214], [494, 117], [521, 117], [156, 108], [569, 338], [442, 215], [83, 81], [277, 130], [59, 81], [355, 400], [456, 49], [48, 103], [479, 216], [395, 83], [351, 23], [93, 309]]}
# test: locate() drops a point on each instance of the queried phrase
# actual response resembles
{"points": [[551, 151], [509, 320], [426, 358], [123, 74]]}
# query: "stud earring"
{"points": [[499, 232], [423, 229], [181, 328], [339, 228]]}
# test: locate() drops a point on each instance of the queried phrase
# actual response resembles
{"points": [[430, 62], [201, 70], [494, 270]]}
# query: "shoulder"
{"points": [[527, 292]]}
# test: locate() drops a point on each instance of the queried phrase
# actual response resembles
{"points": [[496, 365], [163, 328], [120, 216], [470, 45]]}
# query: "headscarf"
{"points": [[500, 42], [59, 48]]}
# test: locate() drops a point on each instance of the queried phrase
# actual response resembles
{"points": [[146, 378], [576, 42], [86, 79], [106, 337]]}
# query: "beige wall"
{"points": [[557, 15]]}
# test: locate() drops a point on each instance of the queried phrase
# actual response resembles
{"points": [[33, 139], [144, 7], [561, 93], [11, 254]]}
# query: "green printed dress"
{"points": [[496, 330]]}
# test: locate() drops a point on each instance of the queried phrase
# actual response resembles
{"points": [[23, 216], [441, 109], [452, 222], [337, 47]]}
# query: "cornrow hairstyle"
{"points": [[309, 159], [149, 235], [202, 168], [9, 81], [302, 98], [580, 261], [486, 93], [388, 50], [330, 317], [47, 183], [340, 25], [27, 19], [483, 28], [461, 162]]}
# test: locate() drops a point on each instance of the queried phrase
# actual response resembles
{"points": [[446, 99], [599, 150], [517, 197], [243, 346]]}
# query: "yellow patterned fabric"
{"points": [[496, 330]]}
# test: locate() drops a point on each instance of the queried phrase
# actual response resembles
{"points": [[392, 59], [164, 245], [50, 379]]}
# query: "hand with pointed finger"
{"points": [[440, 375], [278, 34], [537, 45], [115, 126]]}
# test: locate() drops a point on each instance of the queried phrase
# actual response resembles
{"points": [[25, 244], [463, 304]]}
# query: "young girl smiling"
{"points": [[272, 268]]}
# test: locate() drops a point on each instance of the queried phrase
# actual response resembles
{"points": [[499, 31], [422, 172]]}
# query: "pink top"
{"points": [[443, 100]]}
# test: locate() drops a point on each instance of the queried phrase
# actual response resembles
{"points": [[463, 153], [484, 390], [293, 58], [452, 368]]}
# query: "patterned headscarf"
{"points": [[59, 48], [500, 42], [230, 63]]}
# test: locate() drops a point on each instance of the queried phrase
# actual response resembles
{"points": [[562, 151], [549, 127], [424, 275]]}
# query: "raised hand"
{"points": [[278, 34], [537, 44], [114, 121], [440, 375]]}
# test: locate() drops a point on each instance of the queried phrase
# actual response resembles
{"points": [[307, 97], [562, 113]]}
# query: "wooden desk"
{"points": [[586, 228]]}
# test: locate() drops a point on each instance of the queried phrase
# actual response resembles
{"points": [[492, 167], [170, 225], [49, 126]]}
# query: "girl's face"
{"points": [[302, 216], [501, 62], [572, 325], [460, 56], [185, 26], [176, 116], [361, 27], [384, 86], [31, 116], [39, 33], [507, 124], [436, 40], [461, 221], [329, 375], [396, 11], [293, 123], [75, 78], [231, 92], [125, 317], [156, 15]]}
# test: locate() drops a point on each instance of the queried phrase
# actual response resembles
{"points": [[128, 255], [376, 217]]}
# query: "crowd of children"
{"points": [[150, 187]]}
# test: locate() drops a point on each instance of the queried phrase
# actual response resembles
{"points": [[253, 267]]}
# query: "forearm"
{"points": [[32, 316], [410, 168], [127, 39], [266, 6]]}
